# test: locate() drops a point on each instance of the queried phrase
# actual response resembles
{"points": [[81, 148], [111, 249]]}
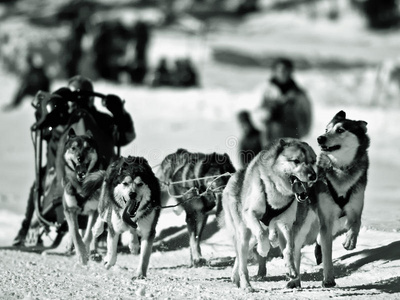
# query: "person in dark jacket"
{"points": [[250, 141], [286, 106]]}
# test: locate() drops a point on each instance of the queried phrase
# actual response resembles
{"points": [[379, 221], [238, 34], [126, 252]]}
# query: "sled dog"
{"points": [[129, 200], [342, 179], [76, 158], [200, 180], [262, 200]]}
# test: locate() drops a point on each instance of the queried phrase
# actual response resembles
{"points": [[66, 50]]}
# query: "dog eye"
{"points": [[140, 184], [125, 184], [296, 161], [340, 130]]}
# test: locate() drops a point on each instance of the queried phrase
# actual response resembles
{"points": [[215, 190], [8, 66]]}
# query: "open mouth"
{"points": [[299, 188], [330, 149], [130, 212]]}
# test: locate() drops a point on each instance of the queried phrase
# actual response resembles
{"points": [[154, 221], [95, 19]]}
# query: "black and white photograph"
{"points": [[199, 149]]}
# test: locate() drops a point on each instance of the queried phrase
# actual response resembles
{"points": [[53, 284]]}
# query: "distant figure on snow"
{"points": [[250, 141], [286, 107], [33, 79]]}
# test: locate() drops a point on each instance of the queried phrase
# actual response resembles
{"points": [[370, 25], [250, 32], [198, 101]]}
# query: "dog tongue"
{"points": [[298, 187]]}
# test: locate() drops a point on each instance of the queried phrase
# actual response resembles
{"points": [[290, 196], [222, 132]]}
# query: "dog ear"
{"points": [[341, 115], [228, 165], [282, 143], [363, 125], [71, 133]]}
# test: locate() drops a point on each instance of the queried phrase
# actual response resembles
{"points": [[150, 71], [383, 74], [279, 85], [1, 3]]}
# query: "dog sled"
{"points": [[51, 112]]}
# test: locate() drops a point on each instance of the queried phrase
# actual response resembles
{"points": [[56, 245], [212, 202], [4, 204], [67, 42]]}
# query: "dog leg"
{"points": [[71, 215], [235, 271], [146, 247], [112, 244], [195, 223], [353, 222], [262, 267], [288, 250], [242, 245], [134, 243], [87, 238], [326, 246]]}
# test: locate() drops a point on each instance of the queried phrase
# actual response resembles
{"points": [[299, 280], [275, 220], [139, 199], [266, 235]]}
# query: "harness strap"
{"points": [[271, 213], [341, 201]]}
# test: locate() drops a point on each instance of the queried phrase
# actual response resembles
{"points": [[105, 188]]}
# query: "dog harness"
{"points": [[271, 213], [341, 201]]}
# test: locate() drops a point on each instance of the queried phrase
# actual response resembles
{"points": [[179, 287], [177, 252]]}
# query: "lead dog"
{"points": [[200, 180], [76, 158], [129, 201], [342, 179], [265, 196]]}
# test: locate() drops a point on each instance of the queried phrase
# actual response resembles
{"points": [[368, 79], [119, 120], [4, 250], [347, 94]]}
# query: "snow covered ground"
{"points": [[204, 120]]}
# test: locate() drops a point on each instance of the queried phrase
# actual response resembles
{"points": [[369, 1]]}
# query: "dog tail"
{"points": [[93, 183]]}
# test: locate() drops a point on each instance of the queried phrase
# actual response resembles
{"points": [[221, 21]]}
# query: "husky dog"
{"points": [[342, 179], [196, 173], [129, 200], [262, 201], [76, 158]]}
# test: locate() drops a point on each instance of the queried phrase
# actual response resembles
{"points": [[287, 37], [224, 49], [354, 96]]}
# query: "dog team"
{"points": [[284, 197]]}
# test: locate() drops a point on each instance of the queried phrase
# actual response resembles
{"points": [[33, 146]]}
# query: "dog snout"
{"points": [[81, 175], [132, 195], [321, 139], [79, 158]]}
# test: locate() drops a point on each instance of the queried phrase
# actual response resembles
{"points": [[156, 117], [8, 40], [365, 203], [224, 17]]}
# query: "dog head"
{"points": [[80, 154], [296, 161], [344, 139], [133, 185]]}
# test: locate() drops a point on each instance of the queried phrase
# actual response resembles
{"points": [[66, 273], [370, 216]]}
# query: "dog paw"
{"points": [[108, 263], [263, 247], [138, 277], [248, 289], [95, 256], [200, 262], [294, 283], [328, 283], [350, 242]]}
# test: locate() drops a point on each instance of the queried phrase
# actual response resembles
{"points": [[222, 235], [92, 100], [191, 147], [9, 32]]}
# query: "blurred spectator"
{"points": [[162, 75], [110, 44], [185, 74], [142, 34], [250, 141], [73, 44], [33, 79], [287, 109]]}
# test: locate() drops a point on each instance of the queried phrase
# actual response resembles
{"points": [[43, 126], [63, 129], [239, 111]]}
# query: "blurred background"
{"points": [[185, 68]]}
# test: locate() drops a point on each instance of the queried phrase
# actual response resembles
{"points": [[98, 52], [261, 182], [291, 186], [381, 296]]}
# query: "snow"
{"points": [[204, 119]]}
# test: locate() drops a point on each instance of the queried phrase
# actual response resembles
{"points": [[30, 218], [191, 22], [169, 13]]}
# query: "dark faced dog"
{"points": [[199, 179], [76, 158], [342, 179], [129, 200]]}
